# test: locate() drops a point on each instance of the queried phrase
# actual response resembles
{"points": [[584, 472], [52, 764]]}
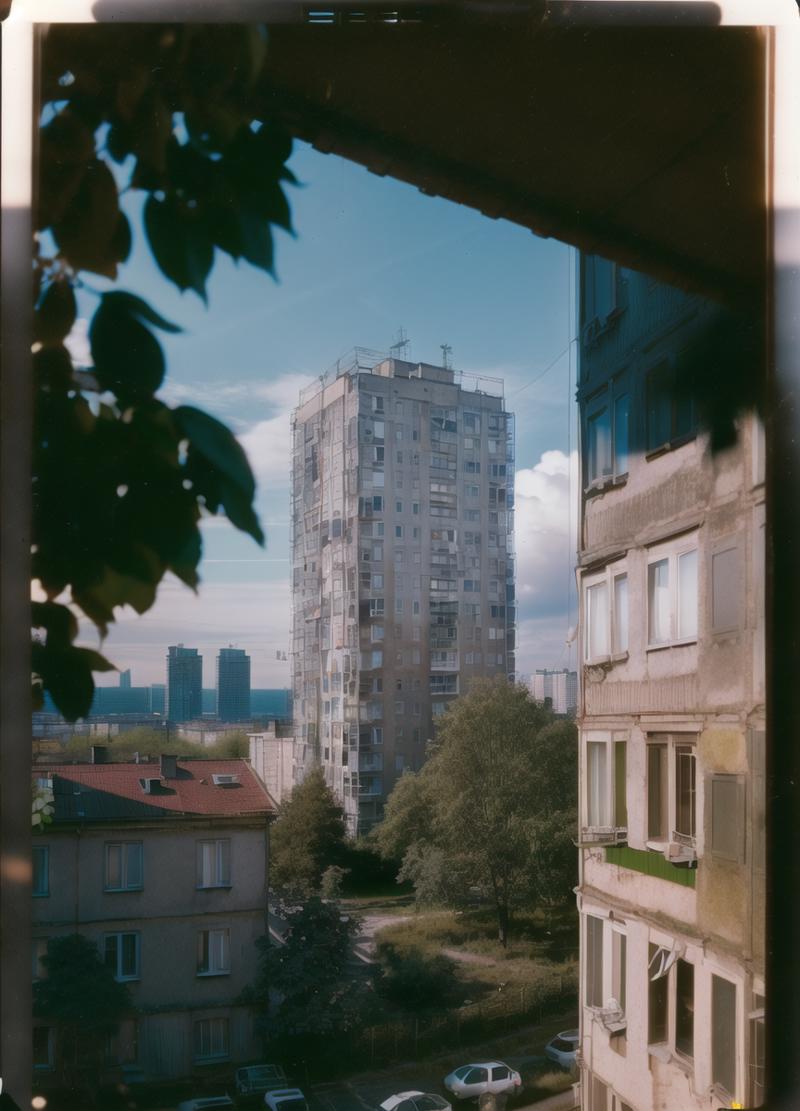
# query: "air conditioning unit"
{"points": [[681, 849], [602, 835], [612, 1017]]}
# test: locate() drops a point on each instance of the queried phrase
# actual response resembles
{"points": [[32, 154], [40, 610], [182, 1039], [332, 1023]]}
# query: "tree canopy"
{"points": [[307, 837], [494, 807], [308, 977], [122, 480]]}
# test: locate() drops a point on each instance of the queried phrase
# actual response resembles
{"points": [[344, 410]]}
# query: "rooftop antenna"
{"points": [[447, 351], [399, 346]]}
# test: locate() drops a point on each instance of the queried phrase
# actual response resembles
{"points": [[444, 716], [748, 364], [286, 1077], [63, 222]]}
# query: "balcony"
{"points": [[650, 864]]}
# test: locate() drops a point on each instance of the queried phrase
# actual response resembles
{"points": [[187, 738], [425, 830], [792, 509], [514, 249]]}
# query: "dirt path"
{"points": [[370, 924], [465, 957]]}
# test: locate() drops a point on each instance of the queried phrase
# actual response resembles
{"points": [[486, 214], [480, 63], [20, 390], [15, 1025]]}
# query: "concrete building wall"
{"points": [[403, 590], [272, 757], [167, 914], [671, 571]]}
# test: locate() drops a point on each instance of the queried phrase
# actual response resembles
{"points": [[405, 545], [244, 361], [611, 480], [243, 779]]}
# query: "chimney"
{"points": [[99, 754], [169, 766]]}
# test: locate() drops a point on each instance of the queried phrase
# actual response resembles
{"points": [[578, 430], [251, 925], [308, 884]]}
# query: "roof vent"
{"points": [[225, 780], [150, 785], [99, 754]]}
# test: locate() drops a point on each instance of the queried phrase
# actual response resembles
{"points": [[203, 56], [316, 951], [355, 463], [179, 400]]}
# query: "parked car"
{"points": [[286, 1099], [415, 1101], [255, 1080], [471, 1081], [562, 1048], [206, 1102]]}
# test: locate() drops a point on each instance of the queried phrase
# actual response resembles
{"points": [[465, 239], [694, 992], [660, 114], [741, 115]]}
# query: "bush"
{"points": [[332, 879], [412, 979]]}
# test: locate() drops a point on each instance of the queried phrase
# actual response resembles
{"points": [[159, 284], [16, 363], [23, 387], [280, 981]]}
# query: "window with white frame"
{"points": [[214, 863], [672, 609], [211, 1039], [214, 952], [606, 781], [606, 613], [593, 966], [122, 953], [124, 866], [671, 999], [671, 788]]}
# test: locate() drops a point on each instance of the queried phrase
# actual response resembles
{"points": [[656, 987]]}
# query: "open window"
{"points": [[605, 818], [672, 796]]}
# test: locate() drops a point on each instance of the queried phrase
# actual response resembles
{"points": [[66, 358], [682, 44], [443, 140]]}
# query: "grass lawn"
{"points": [[542, 950]]}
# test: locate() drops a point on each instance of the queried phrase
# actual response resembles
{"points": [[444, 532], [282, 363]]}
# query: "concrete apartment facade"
{"points": [[272, 758], [402, 564], [184, 683], [163, 864], [233, 685], [671, 578], [560, 688]]}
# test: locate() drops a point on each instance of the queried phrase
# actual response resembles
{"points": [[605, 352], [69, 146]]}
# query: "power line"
{"points": [[549, 367]]}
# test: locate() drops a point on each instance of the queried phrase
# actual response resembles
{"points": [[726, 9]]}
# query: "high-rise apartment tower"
{"points": [[184, 683], [233, 685], [402, 563]]}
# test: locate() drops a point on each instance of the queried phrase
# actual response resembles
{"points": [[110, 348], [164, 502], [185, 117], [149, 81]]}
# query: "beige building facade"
{"points": [[164, 867], [671, 716]]}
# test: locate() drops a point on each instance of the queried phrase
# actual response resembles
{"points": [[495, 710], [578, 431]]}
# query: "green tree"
{"points": [[307, 837], [81, 997], [304, 989], [494, 806], [122, 480]]}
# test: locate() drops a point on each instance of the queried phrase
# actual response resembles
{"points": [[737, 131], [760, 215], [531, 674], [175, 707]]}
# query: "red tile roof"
{"points": [[103, 792]]}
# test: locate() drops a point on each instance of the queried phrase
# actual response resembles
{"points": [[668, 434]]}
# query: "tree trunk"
{"points": [[503, 919]]}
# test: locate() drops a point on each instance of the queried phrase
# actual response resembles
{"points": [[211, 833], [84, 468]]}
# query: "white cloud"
{"points": [[545, 544], [77, 343]]}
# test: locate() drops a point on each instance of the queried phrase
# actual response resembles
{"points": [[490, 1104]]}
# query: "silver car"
{"points": [[562, 1048], [415, 1101], [471, 1081]]}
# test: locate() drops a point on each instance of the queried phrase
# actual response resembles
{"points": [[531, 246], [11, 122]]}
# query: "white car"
{"points": [[471, 1081], [562, 1048], [415, 1101], [254, 1080], [286, 1099]]}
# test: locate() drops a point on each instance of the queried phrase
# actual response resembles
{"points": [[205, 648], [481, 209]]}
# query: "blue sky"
{"points": [[371, 254]]}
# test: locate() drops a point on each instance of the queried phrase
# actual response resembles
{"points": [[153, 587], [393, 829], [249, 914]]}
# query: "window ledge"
{"points": [[661, 1051], [619, 657], [670, 445], [214, 887], [211, 975], [684, 643], [122, 890]]}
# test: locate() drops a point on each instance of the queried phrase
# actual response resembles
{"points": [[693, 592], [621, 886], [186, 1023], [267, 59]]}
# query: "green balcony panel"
{"points": [[651, 863]]}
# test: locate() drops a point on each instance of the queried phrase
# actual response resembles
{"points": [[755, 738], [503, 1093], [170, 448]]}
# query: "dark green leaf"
{"points": [[136, 306], [128, 359], [53, 369], [59, 622], [118, 141], [86, 233], [218, 445], [257, 240], [56, 313], [179, 243], [67, 674]]}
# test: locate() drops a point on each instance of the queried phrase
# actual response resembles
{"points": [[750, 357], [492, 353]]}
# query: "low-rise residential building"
{"points": [[164, 865], [272, 758], [672, 717], [559, 689]]}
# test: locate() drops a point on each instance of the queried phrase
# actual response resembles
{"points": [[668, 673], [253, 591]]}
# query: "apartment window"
{"points": [[598, 446], [376, 607], [377, 734], [657, 996], [606, 613], [377, 582], [212, 1035], [124, 866], [377, 404], [684, 1008], [376, 632], [727, 817], [594, 961], [621, 433], [619, 967], [723, 1033], [606, 782], [415, 509], [599, 288], [620, 615], [41, 870], [671, 787], [398, 532], [122, 955], [399, 707], [472, 491], [398, 507], [213, 952], [726, 589], [214, 863], [670, 411], [672, 594], [472, 422], [43, 1048], [472, 467], [415, 608], [377, 503]]}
